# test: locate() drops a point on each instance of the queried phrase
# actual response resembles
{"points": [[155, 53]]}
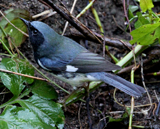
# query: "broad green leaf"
{"points": [[7, 30], [8, 11], [75, 96], [42, 89], [47, 111], [130, 14], [133, 8], [16, 36], [146, 5], [15, 83], [20, 118], [13, 14], [146, 34], [141, 20]]}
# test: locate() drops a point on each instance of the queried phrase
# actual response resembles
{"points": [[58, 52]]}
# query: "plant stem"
{"points": [[137, 50], [132, 102], [6, 47]]}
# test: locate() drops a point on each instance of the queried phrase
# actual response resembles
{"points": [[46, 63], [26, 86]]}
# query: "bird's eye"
{"points": [[35, 31]]}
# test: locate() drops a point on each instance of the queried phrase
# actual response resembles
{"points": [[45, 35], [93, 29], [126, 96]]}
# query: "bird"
{"points": [[73, 63]]}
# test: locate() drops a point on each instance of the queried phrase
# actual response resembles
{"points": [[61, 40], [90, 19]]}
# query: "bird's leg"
{"points": [[74, 95], [87, 105], [88, 112], [64, 101], [86, 88]]}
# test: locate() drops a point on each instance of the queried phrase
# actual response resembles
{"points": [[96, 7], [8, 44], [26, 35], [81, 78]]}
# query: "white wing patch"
{"points": [[40, 64], [70, 68]]}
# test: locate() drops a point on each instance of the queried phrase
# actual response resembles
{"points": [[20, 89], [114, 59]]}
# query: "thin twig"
{"points": [[156, 95], [126, 15], [4, 93], [49, 15], [154, 108], [137, 106], [142, 76], [116, 112], [24, 75], [132, 99], [66, 25], [157, 111], [109, 41], [117, 24], [42, 14]]}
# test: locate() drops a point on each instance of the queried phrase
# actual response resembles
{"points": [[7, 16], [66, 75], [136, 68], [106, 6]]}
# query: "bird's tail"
{"points": [[120, 83]]}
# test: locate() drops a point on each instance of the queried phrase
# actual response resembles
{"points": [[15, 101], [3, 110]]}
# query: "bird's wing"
{"points": [[90, 62], [84, 62], [55, 64]]}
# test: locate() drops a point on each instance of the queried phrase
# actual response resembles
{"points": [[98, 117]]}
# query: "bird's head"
{"points": [[39, 32]]}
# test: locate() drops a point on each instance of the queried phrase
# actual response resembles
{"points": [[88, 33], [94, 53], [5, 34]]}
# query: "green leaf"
{"points": [[16, 36], [146, 5], [74, 96], [20, 118], [42, 89], [12, 14], [146, 34], [130, 14], [133, 8], [7, 29], [15, 83], [141, 20], [47, 111]]}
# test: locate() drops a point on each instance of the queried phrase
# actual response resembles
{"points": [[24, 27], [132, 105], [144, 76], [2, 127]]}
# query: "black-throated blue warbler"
{"points": [[72, 62]]}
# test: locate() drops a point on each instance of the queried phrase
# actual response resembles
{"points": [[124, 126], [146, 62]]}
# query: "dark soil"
{"points": [[111, 14]]}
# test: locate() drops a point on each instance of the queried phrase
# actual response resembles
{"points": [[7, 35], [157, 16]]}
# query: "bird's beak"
{"points": [[25, 21]]}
